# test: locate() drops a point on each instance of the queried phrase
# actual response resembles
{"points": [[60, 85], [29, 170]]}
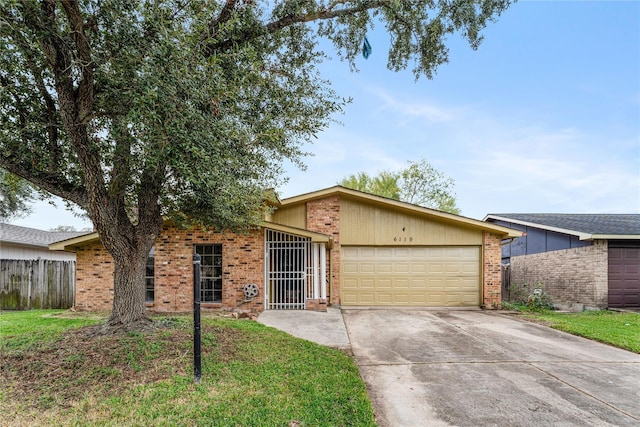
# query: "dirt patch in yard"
{"points": [[83, 362]]}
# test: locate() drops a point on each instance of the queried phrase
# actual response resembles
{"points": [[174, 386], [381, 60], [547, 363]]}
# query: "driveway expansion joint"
{"points": [[584, 392]]}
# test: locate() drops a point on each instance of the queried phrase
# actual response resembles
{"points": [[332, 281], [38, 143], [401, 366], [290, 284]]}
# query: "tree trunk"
{"points": [[129, 311], [129, 246]]}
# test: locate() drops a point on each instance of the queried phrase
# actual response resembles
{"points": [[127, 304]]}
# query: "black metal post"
{"points": [[197, 370]]}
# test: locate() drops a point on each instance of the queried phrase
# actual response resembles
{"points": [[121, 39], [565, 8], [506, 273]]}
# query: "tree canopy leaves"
{"points": [[139, 110], [15, 195], [189, 105]]}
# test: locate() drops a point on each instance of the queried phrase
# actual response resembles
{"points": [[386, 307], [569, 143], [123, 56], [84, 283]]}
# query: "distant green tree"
{"points": [[424, 185], [139, 110], [419, 184], [384, 184], [63, 228]]}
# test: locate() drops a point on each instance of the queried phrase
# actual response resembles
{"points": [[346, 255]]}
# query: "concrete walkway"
{"points": [[326, 328]]}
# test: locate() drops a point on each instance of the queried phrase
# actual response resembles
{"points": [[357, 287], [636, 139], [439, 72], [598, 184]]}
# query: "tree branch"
{"points": [[275, 26], [223, 16], [52, 182], [321, 15], [85, 87], [75, 107]]}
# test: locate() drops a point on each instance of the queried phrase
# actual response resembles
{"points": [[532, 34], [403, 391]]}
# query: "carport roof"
{"points": [[339, 190], [585, 226]]}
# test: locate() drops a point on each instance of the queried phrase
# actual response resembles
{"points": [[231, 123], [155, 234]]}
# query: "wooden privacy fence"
{"points": [[37, 284], [506, 282]]}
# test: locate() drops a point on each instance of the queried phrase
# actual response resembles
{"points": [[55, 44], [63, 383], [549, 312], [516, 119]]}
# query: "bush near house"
{"points": [[528, 298], [55, 371]]}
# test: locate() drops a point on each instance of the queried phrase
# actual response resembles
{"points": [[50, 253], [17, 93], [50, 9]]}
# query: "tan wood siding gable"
{"points": [[294, 216], [368, 224]]}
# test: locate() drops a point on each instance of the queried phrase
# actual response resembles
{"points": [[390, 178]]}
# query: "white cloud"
{"points": [[411, 110]]}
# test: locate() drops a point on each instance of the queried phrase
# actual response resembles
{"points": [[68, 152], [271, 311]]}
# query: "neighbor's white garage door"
{"points": [[410, 276]]}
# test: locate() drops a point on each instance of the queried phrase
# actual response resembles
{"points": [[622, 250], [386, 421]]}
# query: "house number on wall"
{"points": [[403, 239]]}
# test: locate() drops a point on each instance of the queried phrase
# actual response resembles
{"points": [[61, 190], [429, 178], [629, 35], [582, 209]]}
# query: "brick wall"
{"points": [[242, 263], [94, 278], [491, 271], [323, 216], [569, 276]]}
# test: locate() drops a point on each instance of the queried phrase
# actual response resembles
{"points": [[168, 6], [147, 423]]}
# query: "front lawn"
{"points": [[55, 372], [620, 329]]}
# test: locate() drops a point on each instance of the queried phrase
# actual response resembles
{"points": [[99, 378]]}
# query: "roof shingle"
{"points": [[602, 224], [33, 237]]}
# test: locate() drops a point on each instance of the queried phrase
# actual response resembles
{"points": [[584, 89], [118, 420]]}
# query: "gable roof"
{"points": [[585, 226], [33, 237], [446, 217]]}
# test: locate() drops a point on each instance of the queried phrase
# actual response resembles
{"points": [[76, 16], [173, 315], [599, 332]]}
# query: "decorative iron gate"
{"points": [[287, 261]]}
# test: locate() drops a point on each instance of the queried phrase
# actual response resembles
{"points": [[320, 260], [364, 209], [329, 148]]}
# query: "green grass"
{"points": [[620, 329], [253, 375], [22, 330]]}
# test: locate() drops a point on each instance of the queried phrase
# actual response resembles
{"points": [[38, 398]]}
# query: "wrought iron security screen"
{"points": [[287, 261]]}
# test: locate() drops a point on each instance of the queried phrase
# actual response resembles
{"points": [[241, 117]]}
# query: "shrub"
{"points": [[522, 298], [538, 300]]}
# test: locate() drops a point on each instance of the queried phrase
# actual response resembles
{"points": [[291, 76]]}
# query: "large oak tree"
{"points": [[139, 110]]}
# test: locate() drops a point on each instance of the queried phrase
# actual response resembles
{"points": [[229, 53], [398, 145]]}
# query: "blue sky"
{"points": [[543, 117]]}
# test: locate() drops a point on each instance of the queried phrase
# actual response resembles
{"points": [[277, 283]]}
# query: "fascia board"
{"points": [[65, 245], [315, 237], [614, 237]]}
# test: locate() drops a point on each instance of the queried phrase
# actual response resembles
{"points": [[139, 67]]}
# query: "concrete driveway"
{"points": [[476, 368]]}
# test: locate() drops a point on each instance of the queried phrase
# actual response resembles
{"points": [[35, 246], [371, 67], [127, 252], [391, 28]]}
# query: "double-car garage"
{"points": [[410, 276]]}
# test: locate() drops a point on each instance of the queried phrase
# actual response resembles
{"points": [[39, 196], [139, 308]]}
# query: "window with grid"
{"points": [[210, 272], [149, 276]]}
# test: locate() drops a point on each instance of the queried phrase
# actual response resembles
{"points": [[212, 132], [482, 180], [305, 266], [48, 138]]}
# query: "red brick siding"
{"points": [[323, 216], [491, 271], [94, 278], [242, 263], [568, 276]]}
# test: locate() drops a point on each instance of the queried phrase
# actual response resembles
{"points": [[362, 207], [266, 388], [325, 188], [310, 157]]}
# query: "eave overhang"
{"points": [[70, 244]]}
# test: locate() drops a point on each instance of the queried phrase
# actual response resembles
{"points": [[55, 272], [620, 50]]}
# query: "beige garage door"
{"points": [[410, 276]]}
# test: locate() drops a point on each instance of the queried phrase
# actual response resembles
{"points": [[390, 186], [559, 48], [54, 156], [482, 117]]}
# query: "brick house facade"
{"points": [[295, 254], [572, 277], [581, 261]]}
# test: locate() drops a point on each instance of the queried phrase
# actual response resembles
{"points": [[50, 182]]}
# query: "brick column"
{"points": [[323, 216], [491, 271]]}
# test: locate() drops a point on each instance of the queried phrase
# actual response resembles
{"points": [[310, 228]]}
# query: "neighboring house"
{"points": [[32, 276], [29, 243], [336, 246], [585, 259]]}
